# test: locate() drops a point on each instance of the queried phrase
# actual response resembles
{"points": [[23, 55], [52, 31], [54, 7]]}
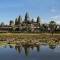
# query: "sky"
{"points": [[47, 10]]}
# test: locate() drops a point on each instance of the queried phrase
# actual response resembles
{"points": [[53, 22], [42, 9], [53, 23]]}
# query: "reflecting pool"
{"points": [[40, 52]]}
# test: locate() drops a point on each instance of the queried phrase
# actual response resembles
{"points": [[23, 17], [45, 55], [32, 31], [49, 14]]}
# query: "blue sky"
{"points": [[46, 9]]}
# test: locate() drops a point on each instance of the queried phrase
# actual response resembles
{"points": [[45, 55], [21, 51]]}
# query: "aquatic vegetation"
{"points": [[29, 39]]}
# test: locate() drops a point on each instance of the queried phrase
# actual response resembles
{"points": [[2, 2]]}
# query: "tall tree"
{"points": [[52, 26]]}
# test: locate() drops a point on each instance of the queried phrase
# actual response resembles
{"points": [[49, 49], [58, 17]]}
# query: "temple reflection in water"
{"points": [[26, 49]]}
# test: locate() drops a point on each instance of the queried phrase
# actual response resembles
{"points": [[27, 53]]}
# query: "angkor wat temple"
{"points": [[20, 25], [26, 25]]}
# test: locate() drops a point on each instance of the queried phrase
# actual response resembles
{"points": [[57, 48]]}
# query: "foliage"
{"points": [[52, 26]]}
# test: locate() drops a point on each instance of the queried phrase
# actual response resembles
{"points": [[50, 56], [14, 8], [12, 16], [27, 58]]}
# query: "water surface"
{"points": [[42, 52]]}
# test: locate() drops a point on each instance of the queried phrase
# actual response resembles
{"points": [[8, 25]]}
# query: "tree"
{"points": [[38, 19], [52, 26], [43, 28]]}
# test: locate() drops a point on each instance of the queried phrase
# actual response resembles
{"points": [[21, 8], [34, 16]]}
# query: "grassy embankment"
{"points": [[13, 38]]}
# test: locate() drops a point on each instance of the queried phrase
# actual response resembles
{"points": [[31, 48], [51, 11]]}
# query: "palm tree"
{"points": [[52, 26]]}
